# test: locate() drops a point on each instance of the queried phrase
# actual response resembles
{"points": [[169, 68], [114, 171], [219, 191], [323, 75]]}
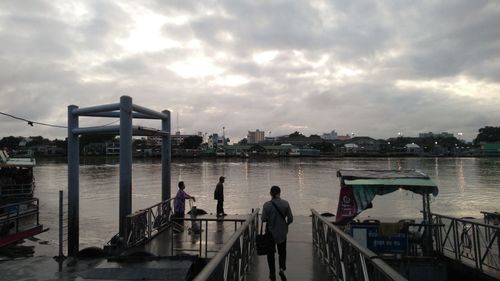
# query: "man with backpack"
{"points": [[278, 215]]}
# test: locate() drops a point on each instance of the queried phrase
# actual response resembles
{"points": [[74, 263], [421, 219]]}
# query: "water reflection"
{"points": [[467, 186], [300, 176], [436, 167], [461, 176]]}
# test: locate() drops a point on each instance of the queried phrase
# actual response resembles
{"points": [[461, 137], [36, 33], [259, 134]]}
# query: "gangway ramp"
{"points": [[303, 263]]}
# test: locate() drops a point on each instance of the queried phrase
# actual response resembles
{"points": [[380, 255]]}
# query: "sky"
{"points": [[372, 68]]}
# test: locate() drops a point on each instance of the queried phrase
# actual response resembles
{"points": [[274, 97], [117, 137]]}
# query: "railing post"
{"points": [[363, 266], [206, 237], [341, 257], [498, 240], [61, 223], [477, 245], [149, 222], [201, 236], [37, 211], [17, 218], [171, 240], [455, 240]]}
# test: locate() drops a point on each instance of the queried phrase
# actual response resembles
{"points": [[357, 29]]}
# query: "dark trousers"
{"points": [[282, 258], [179, 217], [220, 207]]}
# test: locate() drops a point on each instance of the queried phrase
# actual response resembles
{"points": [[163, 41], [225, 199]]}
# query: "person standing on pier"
{"points": [[180, 201], [278, 215], [219, 196]]}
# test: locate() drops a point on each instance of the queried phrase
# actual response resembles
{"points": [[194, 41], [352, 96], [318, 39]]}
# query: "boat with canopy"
{"points": [[19, 210], [406, 244]]}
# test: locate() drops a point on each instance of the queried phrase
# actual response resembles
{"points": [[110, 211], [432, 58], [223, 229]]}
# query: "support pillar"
{"points": [[166, 157], [125, 162], [73, 183], [428, 229]]}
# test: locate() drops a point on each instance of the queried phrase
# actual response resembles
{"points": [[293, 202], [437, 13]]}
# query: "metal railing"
{"points": [[17, 190], [491, 218], [12, 214], [469, 242], [345, 258], [145, 224], [233, 260], [198, 233]]}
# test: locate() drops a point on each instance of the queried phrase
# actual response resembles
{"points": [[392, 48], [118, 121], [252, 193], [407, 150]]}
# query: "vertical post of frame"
{"points": [[73, 183], [61, 223], [125, 162], [166, 157]]}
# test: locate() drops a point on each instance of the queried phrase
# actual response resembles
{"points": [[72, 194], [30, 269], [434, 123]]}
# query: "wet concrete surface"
{"points": [[302, 262], [34, 260]]}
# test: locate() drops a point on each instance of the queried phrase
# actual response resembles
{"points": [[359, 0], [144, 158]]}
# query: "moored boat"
{"points": [[19, 210], [437, 248]]}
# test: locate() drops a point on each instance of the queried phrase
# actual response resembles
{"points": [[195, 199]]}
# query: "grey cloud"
{"points": [[445, 39], [105, 22], [178, 32], [43, 65], [295, 25], [175, 7]]}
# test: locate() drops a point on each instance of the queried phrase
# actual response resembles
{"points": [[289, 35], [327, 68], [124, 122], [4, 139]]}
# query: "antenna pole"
{"points": [[178, 122]]}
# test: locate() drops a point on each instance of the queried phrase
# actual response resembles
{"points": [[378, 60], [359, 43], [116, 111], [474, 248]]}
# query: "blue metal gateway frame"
{"points": [[126, 111]]}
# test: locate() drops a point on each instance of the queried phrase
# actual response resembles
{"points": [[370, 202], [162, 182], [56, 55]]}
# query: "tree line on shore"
{"points": [[488, 134]]}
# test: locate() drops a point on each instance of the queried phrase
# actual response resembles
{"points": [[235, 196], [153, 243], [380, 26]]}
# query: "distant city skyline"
{"points": [[369, 68]]}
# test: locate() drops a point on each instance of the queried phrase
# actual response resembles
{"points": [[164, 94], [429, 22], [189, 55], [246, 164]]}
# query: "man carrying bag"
{"points": [[277, 215]]}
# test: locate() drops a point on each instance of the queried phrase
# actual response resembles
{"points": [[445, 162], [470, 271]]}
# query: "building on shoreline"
{"points": [[255, 136], [330, 136]]}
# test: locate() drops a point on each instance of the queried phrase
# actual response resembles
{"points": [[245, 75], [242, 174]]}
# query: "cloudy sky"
{"points": [[372, 68]]}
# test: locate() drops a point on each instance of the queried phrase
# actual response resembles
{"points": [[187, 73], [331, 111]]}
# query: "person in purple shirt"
{"points": [[180, 201]]}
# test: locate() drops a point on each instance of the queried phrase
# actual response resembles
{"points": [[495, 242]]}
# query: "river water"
{"points": [[466, 187]]}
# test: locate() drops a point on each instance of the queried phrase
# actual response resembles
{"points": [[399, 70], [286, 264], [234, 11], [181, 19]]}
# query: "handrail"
{"points": [[345, 257], [144, 224], [488, 216], [200, 221], [469, 221], [16, 215], [226, 265], [20, 189], [490, 213], [16, 184], [20, 202], [474, 243]]}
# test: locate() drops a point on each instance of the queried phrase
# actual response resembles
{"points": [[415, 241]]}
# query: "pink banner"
{"points": [[347, 207]]}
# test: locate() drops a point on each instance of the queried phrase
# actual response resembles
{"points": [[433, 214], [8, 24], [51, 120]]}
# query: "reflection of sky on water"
{"points": [[460, 176], [467, 186]]}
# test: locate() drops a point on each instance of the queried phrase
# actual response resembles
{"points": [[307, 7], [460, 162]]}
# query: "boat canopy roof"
{"points": [[413, 180], [359, 187], [6, 161]]}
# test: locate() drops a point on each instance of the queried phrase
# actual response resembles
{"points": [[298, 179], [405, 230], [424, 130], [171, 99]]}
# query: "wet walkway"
{"points": [[303, 264]]}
